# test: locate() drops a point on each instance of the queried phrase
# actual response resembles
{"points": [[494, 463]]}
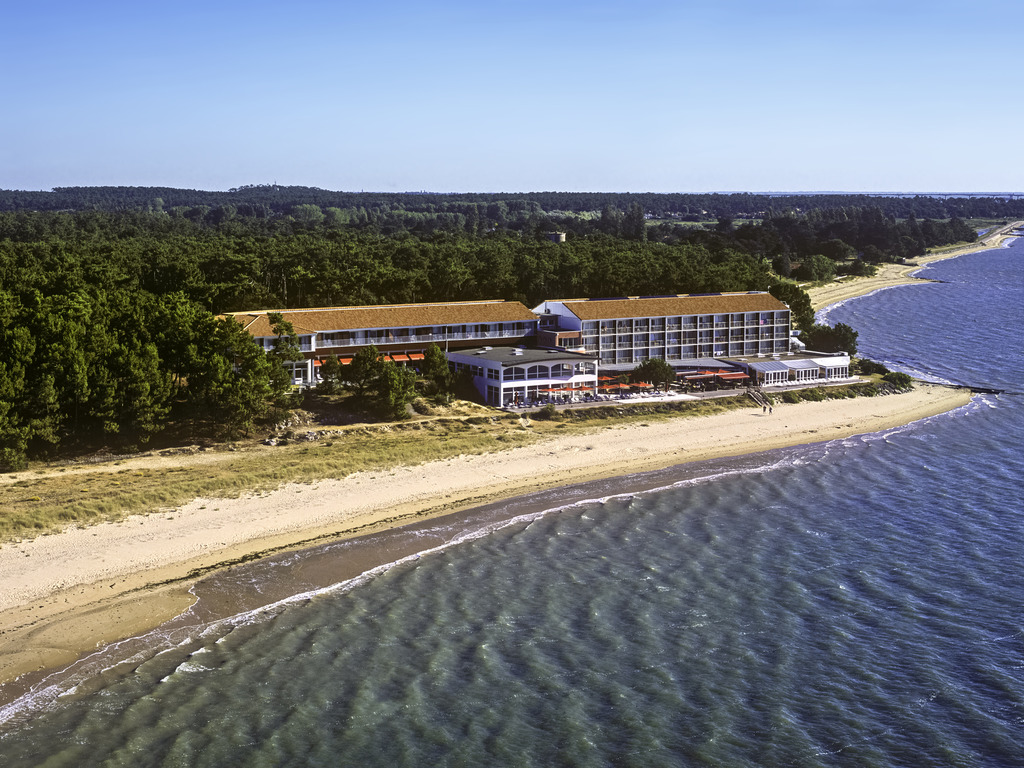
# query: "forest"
{"points": [[109, 329], [269, 199]]}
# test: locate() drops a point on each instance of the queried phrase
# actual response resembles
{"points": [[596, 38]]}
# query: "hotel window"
{"points": [[537, 372]]}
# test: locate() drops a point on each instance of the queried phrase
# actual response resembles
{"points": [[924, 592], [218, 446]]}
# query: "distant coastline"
{"points": [[890, 275]]}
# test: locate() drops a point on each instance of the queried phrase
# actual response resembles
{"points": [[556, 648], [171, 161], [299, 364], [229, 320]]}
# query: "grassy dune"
{"points": [[47, 498]]}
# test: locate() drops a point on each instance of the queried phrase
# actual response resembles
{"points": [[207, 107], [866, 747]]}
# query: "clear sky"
{"points": [[489, 95]]}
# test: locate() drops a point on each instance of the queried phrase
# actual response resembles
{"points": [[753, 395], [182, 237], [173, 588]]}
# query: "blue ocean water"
{"points": [[852, 603]]}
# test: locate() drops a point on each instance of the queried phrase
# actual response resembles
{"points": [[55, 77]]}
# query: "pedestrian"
{"points": [[769, 410], [764, 409]]}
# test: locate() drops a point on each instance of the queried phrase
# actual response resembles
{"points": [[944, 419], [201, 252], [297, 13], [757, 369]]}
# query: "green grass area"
{"points": [[49, 498]]}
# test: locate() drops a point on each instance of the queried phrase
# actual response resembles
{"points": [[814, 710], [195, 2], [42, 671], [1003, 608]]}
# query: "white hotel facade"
{"points": [[560, 344], [625, 332]]}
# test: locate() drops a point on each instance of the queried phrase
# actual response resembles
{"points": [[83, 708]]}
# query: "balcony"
{"points": [[362, 341]]}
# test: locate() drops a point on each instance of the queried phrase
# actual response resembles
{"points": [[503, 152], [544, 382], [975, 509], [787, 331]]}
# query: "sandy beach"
{"points": [[65, 594], [890, 275]]}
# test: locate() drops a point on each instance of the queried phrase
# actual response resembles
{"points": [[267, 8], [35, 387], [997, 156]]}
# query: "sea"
{"points": [[858, 602]]}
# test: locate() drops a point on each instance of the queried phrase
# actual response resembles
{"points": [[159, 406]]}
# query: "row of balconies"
{"points": [[629, 343], [626, 327], [695, 350], [360, 341], [705, 327]]}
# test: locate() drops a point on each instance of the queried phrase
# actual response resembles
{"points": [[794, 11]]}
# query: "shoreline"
{"points": [[892, 275], [67, 594]]}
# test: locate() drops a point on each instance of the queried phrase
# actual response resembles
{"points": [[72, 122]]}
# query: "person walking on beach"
{"points": [[764, 409], [769, 410]]}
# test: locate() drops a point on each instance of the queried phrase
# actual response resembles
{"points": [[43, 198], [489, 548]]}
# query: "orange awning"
{"points": [[345, 360], [400, 358], [415, 355]]}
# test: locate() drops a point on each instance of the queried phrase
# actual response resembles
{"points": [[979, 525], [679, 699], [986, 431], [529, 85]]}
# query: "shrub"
{"points": [[547, 413], [898, 380], [869, 367], [422, 407]]}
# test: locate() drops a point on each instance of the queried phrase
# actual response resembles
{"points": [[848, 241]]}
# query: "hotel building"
{"points": [[511, 375], [517, 355], [401, 332], [624, 332]]}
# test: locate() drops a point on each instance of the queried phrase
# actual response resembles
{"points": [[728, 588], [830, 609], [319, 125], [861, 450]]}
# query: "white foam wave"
{"points": [[189, 667]]}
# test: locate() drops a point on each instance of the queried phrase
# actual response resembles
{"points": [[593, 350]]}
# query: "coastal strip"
{"points": [[66, 594], [891, 275]]}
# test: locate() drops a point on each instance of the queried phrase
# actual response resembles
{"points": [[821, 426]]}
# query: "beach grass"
{"points": [[46, 499]]}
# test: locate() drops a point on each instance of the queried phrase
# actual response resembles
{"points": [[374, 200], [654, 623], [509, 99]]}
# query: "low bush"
{"points": [[868, 367], [547, 413], [898, 379]]}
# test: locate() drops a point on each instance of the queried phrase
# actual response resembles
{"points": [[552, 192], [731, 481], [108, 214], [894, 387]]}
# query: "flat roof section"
{"points": [[509, 356], [793, 359]]}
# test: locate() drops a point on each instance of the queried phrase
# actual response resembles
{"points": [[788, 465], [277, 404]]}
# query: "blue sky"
{"points": [[396, 95]]}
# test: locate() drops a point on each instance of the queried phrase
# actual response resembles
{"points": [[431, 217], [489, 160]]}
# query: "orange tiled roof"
{"points": [[308, 321], [668, 306]]}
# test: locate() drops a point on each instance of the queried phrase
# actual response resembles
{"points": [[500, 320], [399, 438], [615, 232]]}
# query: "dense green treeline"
{"points": [[228, 267], [271, 199], [105, 364], [108, 327], [233, 262]]}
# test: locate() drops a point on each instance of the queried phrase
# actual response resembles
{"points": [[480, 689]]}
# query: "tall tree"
{"points": [[654, 371], [364, 371], [396, 388], [436, 370], [284, 352]]}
